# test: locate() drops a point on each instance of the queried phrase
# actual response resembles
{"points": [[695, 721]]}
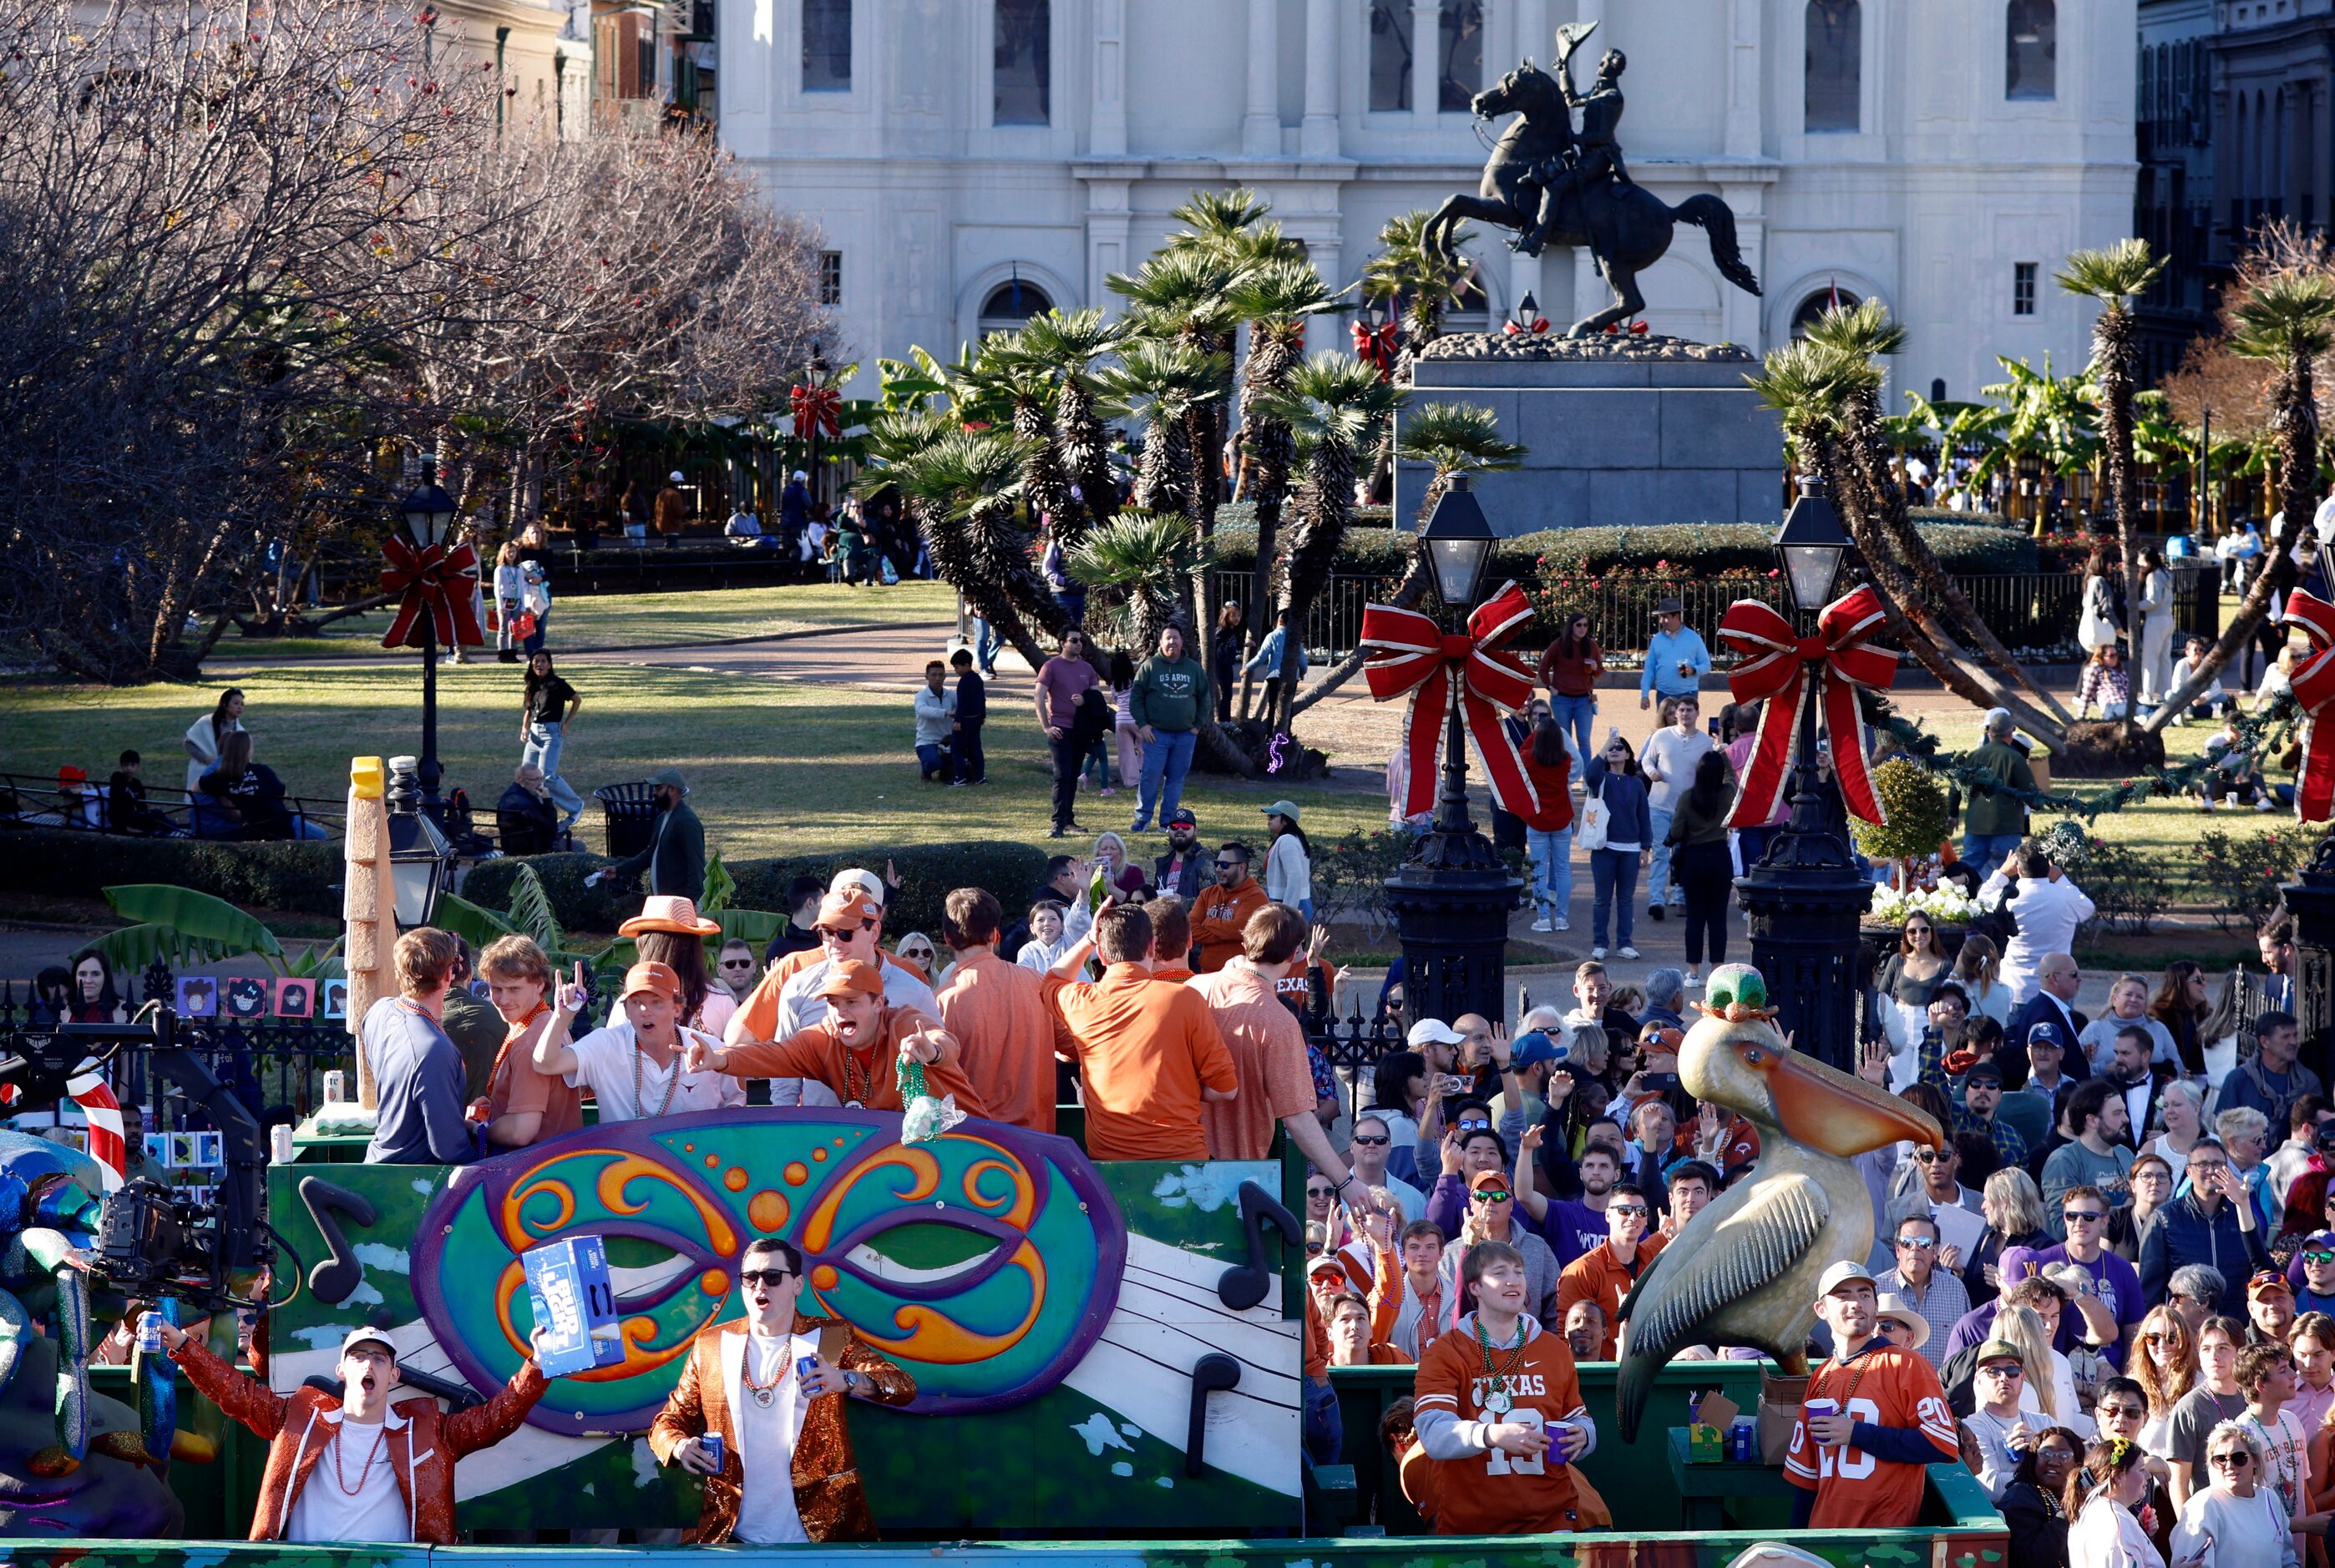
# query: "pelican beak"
{"points": [[1829, 1110]]}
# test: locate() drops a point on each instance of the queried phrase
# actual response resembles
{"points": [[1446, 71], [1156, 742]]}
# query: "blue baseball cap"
{"points": [[1534, 1047], [2046, 1033]]}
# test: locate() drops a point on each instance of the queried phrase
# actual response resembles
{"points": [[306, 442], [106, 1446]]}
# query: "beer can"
{"points": [[279, 1143], [806, 1365], [149, 1334], [337, 1087], [713, 1441], [1743, 1441]]}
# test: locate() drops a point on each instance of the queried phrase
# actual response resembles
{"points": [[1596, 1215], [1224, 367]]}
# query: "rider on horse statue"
{"points": [[1595, 155]]}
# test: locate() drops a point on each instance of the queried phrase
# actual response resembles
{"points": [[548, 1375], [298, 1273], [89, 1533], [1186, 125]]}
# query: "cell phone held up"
{"points": [[1456, 1083]]}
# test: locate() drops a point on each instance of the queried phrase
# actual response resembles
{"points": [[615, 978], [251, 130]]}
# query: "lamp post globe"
{"points": [[1451, 899], [1806, 894]]}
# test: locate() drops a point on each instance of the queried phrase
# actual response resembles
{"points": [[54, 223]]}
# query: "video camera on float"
{"points": [[152, 1242]]}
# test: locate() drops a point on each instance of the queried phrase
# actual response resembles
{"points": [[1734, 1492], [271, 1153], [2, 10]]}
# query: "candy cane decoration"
{"points": [[109, 1145]]}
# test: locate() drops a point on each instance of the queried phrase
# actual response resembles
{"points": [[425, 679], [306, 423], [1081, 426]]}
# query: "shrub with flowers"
{"points": [[2239, 876], [1919, 811], [1945, 906]]}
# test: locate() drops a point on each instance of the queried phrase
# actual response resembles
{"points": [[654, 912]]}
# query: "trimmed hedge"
{"points": [[303, 878], [928, 872], [1963, 546]]}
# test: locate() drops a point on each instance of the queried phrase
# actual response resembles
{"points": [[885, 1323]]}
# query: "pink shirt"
{"points": [[1062, 680]]}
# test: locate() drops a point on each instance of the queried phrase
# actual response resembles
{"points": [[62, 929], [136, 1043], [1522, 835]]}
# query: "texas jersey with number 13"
{"points": [[1496, 1493], [1885, 1386]]}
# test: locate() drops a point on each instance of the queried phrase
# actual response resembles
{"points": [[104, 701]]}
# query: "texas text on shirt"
{"points": [[1903, 1423], [1483, 1489]]}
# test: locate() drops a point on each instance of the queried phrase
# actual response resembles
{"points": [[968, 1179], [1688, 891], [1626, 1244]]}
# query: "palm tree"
{"points": [[965, 490], [2116, 276], [1276, 300], [1070, 342], [1811, 385], [1139, 558], [1416, 277], [1451, 439], [1160, 383], [1028, 382], [2284, 314], [1332, 404], [1863, 332]]}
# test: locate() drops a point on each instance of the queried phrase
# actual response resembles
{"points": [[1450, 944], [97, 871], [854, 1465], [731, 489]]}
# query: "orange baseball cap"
{"points": [[847, 907], [849, 975], [1484, 1180], [653, 976]]}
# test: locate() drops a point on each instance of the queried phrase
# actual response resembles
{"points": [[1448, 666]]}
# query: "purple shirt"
{"points": [[1573, 1229], [2116, 1284]]}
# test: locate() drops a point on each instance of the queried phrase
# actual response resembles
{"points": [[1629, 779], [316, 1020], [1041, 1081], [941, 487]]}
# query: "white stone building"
{"points": [[971, 161]]}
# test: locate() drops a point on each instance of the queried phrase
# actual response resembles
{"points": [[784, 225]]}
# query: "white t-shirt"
{"points": [[325, 1511], [767, 1438], [604, 1062], [800, 1006], [1675, 755]]}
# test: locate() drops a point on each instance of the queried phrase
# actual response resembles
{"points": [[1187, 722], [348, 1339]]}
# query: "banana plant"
{"points": [[179, 927]]}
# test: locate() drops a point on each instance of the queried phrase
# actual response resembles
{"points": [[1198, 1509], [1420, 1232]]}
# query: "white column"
{"points": [[1739, 312], [1425, 52], [1745, 133], [1106, 136], [1261, 126], [1319, 136], [1108, 220], [1533, 37]]}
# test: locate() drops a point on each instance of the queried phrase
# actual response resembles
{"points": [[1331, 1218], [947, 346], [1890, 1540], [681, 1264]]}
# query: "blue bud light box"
{"points": [[568, 1286]]}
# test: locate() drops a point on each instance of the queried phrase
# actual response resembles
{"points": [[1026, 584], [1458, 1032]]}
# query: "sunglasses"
{"points": [[2122, 1412], [1367, 1141], [1929, 1156], [845, 933], [771, 1277], [2156, 1337], [2237, 1461], [1230, 865], [737, 964], [2319, 1256], [1475, 1125], [2004, 1371], [1317, 1192], [1493, 1195], [2084, 1216], [1638, 1209], [2064, 1455], [1918, 1244]]}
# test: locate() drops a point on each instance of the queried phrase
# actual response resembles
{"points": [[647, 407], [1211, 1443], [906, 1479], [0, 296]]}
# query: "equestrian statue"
{"points": [[1552, 185]]}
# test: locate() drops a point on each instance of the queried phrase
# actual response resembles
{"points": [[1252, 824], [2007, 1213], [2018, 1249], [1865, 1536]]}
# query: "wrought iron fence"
{"points": [[36, 800], [1335, 620]]}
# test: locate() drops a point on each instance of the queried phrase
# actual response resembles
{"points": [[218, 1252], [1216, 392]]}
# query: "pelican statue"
{"points": [[1744, 1271]]}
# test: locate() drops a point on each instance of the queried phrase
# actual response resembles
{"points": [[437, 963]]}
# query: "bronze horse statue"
{"points": [[1626, 227]]}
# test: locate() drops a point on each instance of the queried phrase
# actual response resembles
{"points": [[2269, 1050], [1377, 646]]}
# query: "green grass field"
{"points": [[642, 620], [775, 766]]}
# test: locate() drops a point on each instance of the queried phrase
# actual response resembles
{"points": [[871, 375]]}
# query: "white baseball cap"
{"points": [[866, 881], [1841, 1274], [1434, 1032], [675, 475], [362, 1336]]}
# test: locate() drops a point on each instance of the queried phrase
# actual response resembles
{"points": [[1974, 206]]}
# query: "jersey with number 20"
{"points": [[1885, 1387]]}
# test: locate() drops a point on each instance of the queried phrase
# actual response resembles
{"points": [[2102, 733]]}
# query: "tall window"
{"points": [[1011, 305], [831, 277], [1836, 35], [1390, 54], [1023, 87], [1463, 53], [2032, 49], [1811, 309], [827, 45], [2023, 287]]}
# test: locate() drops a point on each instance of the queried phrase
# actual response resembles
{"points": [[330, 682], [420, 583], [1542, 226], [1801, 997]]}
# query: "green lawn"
{"points": [[639, 620], [775, 766]]}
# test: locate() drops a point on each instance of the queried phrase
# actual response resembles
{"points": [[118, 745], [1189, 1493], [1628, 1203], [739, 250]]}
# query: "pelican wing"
{"points": [[1707, 1268]]}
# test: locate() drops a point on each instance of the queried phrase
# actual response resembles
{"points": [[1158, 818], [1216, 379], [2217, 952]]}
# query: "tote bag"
{"points": [[1596, 816]]}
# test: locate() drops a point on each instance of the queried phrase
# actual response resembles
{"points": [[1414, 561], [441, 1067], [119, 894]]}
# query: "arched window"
{"points": [[1010, 305], [1816, 305], [1389, 55], [2032, 49], [1022, 72], [1834, 43], [1462, 41]]}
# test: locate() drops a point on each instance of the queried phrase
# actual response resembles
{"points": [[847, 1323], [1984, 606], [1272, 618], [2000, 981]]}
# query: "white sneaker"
{"points": [[1694, 979], [1628, 953], [2265, 804], [1541, 925], [1560, 923], [1597, 952]]}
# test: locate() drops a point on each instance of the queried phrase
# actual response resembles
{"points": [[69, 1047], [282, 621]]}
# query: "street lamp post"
{"points": [[1452, 899], [419, 858], [1806, 893], [428, 512]]}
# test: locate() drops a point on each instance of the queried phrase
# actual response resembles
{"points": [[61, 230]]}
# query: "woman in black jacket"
{"points": [[1224, 653], [2033, 1505]]}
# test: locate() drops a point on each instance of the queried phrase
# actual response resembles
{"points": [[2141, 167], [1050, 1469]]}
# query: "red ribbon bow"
{"points": [[1774, 673], [440, 579], [1375, 348], [1540, 323], [1409, 652], [817, 409], [2314, 689]]}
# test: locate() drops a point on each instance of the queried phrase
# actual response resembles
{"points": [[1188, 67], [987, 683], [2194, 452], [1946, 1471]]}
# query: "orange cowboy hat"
{"points": [[664, 912]]}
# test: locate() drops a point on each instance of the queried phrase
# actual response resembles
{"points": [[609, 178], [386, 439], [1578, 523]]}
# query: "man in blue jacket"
{"points": [[2206, 1227], [1676, 658]]}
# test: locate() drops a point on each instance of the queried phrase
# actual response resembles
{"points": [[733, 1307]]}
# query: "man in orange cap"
{"points": [[636, 1068], [850, 926], [853, 1049]]}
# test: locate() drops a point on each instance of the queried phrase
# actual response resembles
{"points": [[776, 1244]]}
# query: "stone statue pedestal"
{"points": [[1621, 431]]}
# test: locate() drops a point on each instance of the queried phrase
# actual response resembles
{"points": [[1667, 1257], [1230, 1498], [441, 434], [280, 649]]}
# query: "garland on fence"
{"points": [[2257, 734]]}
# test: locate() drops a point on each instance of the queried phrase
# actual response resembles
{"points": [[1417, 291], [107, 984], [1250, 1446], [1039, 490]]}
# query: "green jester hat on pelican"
{"points": [[1744, 1271]]}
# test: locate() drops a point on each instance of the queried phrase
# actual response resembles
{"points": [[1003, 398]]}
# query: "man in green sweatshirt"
{"points": [[1167, 704]]}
